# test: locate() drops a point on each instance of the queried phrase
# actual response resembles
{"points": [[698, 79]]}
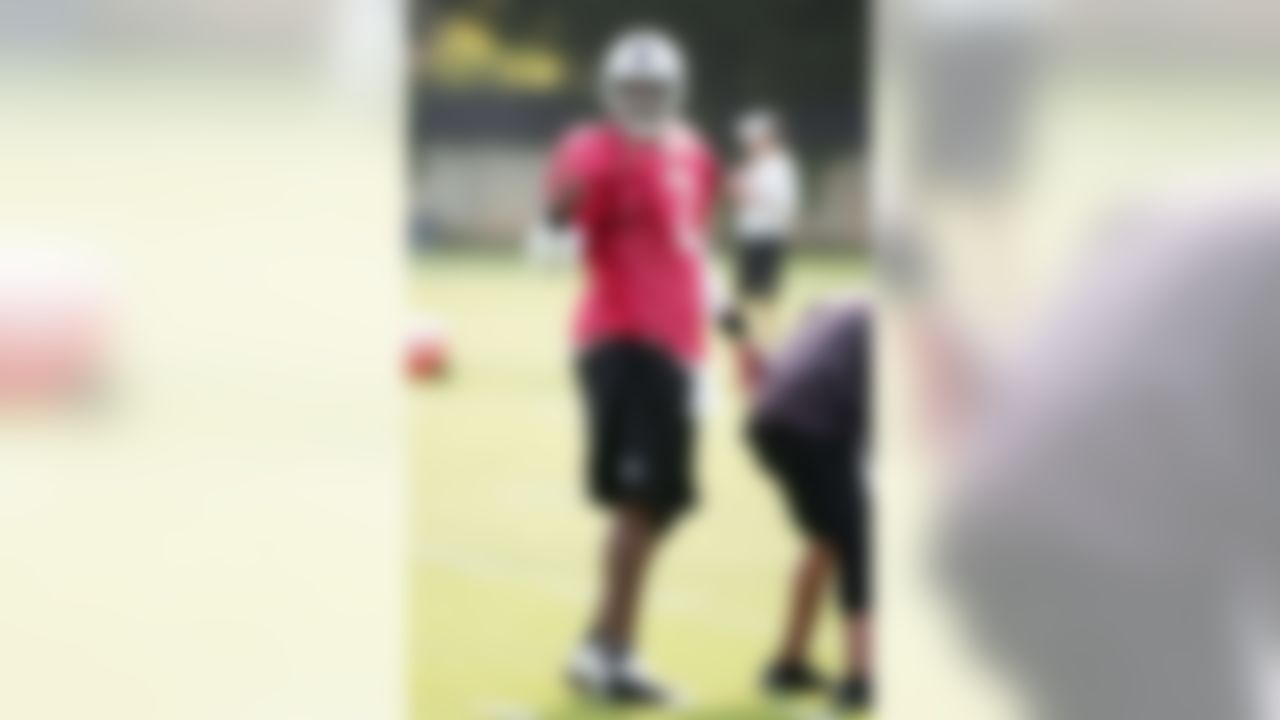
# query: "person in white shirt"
{"points": [[767, 199]]}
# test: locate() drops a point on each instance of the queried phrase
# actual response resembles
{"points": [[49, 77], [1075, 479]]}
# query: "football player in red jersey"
{"points": [[638, 186]]}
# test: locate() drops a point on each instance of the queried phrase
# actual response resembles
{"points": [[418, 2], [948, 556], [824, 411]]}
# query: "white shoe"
{"points": [[589, 670], [617, 678]]}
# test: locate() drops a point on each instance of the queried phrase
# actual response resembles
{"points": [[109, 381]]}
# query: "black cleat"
{"points": [[791, 678], [853, 695]]}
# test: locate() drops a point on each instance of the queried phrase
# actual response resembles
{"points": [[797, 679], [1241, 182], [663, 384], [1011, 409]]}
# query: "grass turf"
{"points": [[504, 547]]}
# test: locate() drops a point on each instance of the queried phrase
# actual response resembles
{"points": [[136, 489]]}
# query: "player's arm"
{"points": [[553, 237], [573, 164], [727, 317], [562, 204], [722, 309]]}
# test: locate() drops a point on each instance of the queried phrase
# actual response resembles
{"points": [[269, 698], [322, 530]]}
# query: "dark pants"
{"points": [[640, 436], [819, 479], [760, 265]]}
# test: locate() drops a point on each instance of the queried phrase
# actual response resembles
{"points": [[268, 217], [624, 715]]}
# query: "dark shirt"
{"points": [[818, 382]]}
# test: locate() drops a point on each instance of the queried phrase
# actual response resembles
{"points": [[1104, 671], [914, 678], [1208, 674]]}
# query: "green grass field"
{"points": [[504, 546]]}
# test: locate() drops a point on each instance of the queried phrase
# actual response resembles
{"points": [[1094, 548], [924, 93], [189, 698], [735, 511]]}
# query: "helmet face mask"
{"points": [[643, 83], [643, 107]]}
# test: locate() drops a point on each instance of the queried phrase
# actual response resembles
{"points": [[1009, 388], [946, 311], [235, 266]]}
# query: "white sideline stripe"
{"points": [[689, 605]]}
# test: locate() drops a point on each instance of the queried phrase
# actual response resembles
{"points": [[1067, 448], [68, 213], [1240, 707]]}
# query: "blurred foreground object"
{"points": [[426, 349], [53, 334], [1114, 535]]}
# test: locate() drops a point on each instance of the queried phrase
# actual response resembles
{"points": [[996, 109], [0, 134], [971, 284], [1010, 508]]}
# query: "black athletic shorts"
{"points": [[820, 481], [760, 262], [640, 433]]}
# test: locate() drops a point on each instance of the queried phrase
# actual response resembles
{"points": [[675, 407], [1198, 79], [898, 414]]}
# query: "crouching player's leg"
{"points": [[641, 446], [852, 520], [816, 477], [791, 670]]}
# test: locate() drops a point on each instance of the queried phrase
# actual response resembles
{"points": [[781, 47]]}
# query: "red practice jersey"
{"points": [[643, 211]]}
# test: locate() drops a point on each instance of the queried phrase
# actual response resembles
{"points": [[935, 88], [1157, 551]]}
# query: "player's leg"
{"points": [[792, 670], [633, 537], [758, 284], [655, 489], [850, 522], [786, 456], [745, 290], [640, 472], [603, 373], [607, 665], [767, 289], [855, 692]]}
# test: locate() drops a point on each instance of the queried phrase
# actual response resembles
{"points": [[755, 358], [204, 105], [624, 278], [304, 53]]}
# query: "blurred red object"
{"points": [[426, 351], [52, 325]]}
